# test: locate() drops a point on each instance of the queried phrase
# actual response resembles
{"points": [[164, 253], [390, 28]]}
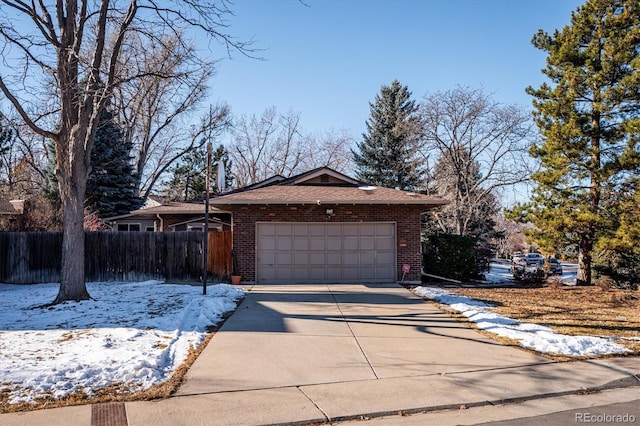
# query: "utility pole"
{"points": [[205, 249]]}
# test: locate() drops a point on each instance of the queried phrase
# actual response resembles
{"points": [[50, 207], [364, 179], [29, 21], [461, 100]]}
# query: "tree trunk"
{"points": [[584, 260], [72, 184]]}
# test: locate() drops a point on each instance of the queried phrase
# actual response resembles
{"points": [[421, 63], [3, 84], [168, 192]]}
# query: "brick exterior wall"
{"points": [[407, 218]]}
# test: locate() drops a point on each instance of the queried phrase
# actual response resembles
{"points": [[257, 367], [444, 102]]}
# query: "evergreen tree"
{"points": [[387, 154], [589, 119], [188, 180], [472, 210], [111, 187]]}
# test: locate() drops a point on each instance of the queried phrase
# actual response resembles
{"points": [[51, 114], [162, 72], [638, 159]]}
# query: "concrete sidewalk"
{"points": [[320, 353]]}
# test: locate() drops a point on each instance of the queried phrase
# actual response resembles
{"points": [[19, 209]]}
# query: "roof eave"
{"points": [[434, 203]]}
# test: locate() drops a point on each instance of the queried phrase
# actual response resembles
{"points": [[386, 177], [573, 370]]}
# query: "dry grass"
{"points": [[591, 311]]}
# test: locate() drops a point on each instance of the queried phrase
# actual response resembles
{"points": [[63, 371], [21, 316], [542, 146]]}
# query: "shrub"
{"points": [[450, 256]]}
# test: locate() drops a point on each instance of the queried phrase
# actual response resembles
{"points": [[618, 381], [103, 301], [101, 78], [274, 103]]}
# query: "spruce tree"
{"points": [[589, 120], [387, 154], [111, 187]]}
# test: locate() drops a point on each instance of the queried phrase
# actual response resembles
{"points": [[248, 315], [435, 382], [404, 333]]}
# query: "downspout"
{"points": [[161, 228]]}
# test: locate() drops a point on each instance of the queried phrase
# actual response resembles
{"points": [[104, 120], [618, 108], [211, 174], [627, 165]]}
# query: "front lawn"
{"points": [[132, 340], [589, 311]]}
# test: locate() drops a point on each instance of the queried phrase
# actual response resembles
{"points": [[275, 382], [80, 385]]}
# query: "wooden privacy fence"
{"points": [[35, 257]]}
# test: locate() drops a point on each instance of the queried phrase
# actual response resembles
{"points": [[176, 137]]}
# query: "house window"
{"points": [[131, 227], [149, 229]]}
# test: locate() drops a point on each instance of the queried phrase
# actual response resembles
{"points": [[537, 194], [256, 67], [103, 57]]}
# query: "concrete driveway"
{"points": [[312, 334], [310, 354]]}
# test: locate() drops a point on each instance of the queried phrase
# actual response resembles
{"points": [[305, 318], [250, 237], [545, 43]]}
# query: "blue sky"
{"points": [[327, 59]]}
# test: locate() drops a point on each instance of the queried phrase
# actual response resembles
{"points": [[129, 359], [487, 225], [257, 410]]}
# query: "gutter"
{"points": [[161, 222]]}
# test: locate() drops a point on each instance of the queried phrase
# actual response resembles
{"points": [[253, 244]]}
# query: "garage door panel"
{"points": [[317, 258], [351, 273], [367, 243], [266, 229], [334, 259], [301, 230], [317, 274], [301, 243], [284, 244], [350, 244], [284, 274], [334, 243], [332, 229], [317, 230], [316, 243], [387, 273], [367, 230], [385, 244], [284, 258], [367, 258], [301, 258], [385, 258], [321, 252], [351, 258], [283, 229], [301, 274], [350, 230], [267, 258]]}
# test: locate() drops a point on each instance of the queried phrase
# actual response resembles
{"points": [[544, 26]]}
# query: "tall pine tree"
{"points": [[387, 154], [589, 119]]}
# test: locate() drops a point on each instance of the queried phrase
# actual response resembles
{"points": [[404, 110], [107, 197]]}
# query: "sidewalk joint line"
{"points": [[326, 416], [375, 373], [615, 368]]}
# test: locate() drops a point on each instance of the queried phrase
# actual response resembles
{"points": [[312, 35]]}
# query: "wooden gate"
{"points": [[219, 262]]}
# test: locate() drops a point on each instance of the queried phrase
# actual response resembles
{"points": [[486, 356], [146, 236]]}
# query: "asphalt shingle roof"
{"points": [[313, 194]]}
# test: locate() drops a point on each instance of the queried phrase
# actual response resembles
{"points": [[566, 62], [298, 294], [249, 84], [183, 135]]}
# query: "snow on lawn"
{"points": [[533, 336], [131, 333]]}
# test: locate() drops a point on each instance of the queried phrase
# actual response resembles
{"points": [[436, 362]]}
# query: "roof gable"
{"points": [[322, 176]]}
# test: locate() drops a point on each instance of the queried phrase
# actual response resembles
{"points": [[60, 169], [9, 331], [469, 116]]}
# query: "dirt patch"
{"points": [[589, 311]]}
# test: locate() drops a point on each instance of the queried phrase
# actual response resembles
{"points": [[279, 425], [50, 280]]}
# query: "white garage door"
{"points": [[325, 252]]}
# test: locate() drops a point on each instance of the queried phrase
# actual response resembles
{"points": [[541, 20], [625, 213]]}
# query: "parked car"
{"points": [[554, 267], [528, 267]]}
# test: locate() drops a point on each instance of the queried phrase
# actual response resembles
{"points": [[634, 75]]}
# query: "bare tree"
{"points": [[275, 144], [265, 146], [74, 48], [331, 148], [156, 109], [480, 146]]}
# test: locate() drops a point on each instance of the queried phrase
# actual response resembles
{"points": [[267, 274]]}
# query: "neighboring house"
{"points": [[9, 211], [170, 217], [325, 227]]}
